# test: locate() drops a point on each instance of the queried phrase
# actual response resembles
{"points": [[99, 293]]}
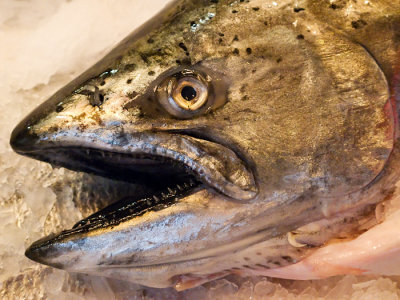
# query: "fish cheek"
{"points": [[318, 111]]}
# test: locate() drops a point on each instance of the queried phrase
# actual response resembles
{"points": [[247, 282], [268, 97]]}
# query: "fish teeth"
{"points": [[292, 240], [156, 199]]}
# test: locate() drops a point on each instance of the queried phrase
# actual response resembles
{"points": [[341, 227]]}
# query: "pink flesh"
{"points": [[376, 251]]}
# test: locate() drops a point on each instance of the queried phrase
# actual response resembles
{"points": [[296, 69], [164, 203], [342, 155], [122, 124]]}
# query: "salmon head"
{"points": [[245, 120]]}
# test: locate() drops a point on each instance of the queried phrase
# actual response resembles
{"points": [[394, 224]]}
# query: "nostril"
{"points": [[96, 98]]}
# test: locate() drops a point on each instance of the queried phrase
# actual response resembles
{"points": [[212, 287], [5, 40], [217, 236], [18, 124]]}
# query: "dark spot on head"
{"points": [[266, 23], [245, 97], [130, 67], [178, 62], [298, 9], [277, 263], [220, 40], [150, 41], [262, 266], [184, 48], [132, 94], [300, 37], [234, 11], [279, 60], [358, 24], [144, 58], [243, 87], [129, 81], [248, 50], [246, 258], [258, 253], [221, 34], [287, 258], [235, 51], [151, 73], [333, 6], [59, 108], [102, 83], [235, 38], [256, 8]]}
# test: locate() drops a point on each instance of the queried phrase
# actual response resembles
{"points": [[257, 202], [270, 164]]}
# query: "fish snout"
{"points": [[23, 140], [45, 252]]}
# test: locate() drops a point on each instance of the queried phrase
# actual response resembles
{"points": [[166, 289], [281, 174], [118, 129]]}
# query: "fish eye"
{"points": [[187, 93]]}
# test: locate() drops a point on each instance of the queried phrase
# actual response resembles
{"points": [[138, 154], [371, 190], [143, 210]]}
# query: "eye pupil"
{"points": [[188, 93]]}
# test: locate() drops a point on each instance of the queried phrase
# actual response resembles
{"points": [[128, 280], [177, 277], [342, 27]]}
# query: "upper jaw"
{"points": [[108, 151]]}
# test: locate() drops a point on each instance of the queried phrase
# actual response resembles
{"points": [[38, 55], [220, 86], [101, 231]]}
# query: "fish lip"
{"points": [[108, 217], [212, 163], [82, 159], [42, 249]]}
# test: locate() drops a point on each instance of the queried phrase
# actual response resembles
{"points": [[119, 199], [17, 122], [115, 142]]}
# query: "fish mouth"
{"points": [[169, 181], [173, 165]]}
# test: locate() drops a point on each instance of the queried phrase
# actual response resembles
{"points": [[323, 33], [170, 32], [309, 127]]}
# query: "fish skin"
{"points": [[306, 119]]}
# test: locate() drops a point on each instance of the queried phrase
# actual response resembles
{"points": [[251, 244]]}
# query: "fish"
{"points": [[265, 134]]}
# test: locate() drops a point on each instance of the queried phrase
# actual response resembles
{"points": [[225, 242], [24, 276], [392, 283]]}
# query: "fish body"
{"points": [[262, 130]]}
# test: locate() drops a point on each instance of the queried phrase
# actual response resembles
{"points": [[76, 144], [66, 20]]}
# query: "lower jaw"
{"points": [[131, 207]]}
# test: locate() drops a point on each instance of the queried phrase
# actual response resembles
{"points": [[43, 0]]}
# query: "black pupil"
{"points": [[188, 93]]}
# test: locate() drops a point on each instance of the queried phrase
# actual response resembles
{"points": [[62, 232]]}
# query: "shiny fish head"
{"points": [[244, 127]]}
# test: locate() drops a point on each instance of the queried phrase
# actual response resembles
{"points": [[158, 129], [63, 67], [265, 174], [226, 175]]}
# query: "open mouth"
{"points": [[172, 166], [168, 181]]}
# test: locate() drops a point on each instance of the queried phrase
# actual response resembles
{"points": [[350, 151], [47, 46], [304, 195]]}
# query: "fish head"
{"points": [[240, 138]]}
